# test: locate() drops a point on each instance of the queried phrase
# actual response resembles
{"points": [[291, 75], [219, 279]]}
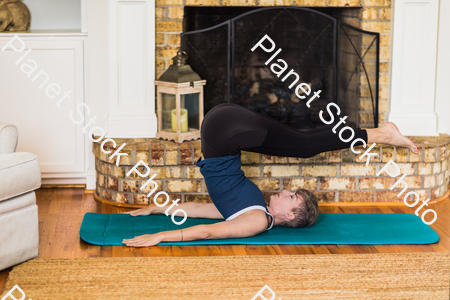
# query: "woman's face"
{"points": [[283, 202]]}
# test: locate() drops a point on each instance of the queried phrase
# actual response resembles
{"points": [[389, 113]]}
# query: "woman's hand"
{"points": [[145, 211], [144, 240]]}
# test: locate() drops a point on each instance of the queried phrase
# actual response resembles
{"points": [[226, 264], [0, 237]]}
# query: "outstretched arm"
{"points": [[248, 224], [192, 209]]}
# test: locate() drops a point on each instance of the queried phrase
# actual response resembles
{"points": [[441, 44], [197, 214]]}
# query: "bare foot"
{"points": [[394, 137]]}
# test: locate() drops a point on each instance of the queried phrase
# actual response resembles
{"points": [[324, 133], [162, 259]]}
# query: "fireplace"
{"points": [[323, 46]]}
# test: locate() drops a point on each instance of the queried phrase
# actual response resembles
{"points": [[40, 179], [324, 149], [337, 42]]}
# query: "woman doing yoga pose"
{"points": [[226, 130]]}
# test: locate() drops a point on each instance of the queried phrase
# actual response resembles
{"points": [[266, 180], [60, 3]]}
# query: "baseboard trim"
{"points": [[62, 186], [400, 203]]}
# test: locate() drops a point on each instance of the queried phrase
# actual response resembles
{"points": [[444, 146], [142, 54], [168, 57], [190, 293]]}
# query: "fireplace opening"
{"points": [[325, 47]]}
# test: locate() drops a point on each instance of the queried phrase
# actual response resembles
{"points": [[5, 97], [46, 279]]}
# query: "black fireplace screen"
{"points": [[337, 59]]}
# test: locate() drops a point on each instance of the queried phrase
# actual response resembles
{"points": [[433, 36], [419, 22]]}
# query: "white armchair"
{"points": [[20, 176]]}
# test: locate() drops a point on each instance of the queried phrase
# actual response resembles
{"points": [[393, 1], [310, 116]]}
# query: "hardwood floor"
{"points": [[61, 211]]}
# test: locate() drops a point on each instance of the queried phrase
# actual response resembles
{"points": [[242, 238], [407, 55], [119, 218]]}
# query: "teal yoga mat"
{"points": [[333, 228]]}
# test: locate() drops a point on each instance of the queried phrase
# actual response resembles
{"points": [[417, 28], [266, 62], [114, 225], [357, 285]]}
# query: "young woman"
{"points": [[225, 131]]}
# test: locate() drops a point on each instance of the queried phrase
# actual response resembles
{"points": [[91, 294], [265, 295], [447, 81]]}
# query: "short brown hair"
{"points": [[307, 212]]}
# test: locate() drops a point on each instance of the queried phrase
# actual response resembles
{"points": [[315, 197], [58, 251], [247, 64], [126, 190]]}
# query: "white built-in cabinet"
{"points": [[109, 68], [57, 39]]}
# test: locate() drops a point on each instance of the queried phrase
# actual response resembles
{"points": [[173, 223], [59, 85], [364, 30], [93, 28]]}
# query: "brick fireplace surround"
{"points": [[336, 176]]}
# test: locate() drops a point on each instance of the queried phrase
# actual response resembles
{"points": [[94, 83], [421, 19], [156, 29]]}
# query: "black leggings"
{"points": [[229, 128]]}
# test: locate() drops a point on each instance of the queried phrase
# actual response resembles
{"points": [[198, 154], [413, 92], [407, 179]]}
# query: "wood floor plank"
{"points": [[238, 249], [226, 250], [320, 249], [276, 249], [257, 250], [106, 251], [3, 278], [334, 249], [204, 250]]}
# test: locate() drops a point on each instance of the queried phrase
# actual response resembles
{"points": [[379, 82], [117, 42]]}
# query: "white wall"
{"points": [[55, 14], [443, 69]]}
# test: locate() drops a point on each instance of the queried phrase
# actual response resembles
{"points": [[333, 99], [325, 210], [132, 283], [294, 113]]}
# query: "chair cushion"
{"points": [[19, 173]]}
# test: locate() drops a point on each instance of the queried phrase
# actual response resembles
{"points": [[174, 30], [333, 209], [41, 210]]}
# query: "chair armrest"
{"points": [[9, 138]]}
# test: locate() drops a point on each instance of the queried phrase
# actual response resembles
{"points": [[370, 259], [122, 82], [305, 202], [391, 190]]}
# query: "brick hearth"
{"points": [[335, 176]]}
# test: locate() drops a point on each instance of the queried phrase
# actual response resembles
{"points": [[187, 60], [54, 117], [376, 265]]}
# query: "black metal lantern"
{"points": [[180, 101]]}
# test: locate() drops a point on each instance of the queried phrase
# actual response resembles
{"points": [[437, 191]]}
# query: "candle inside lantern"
{"points": [[183, 120]]}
